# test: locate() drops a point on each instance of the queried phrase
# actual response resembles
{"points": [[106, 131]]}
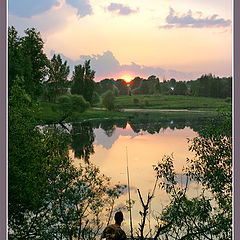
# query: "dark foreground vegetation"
{"points": [[52, 198]]}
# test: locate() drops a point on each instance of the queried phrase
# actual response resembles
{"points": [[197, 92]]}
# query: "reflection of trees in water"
{"points": [[109, 127], [151, 126], [154, 126], [82, 140], [83, 135]]}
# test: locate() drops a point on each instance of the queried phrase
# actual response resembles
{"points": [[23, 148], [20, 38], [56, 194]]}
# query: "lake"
{"points": [[108, 144]]}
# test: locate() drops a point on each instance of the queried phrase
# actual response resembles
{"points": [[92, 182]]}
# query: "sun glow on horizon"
{"points": [[127, 78]]}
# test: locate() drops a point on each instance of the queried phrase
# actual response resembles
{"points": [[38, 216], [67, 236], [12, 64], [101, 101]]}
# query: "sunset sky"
{"points": [[167, 38]]}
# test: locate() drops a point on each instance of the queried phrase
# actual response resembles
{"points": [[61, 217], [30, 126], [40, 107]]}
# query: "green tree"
{"points": [[213, 162], [135, 83], [105, 85], [70, 104], [15, 57], [143, 88], [57, 77], [180, 88], [108, 100], [194, 88], [83, 83], [122, 87], [82, 140], [96, 98], [34, 62], [31, 156], [50, 198], [157, 88], [27, 60], [172, 82], [165, 87], [153, 82], [208, 216]]}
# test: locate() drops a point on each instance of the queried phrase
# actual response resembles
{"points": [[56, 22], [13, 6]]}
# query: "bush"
{"points": [[147, 103], [79, 104], [116, 91], [136, 101], [141, 105], [68, 104], [95, 98], [228, 100], [108, 100], [72, 103]]}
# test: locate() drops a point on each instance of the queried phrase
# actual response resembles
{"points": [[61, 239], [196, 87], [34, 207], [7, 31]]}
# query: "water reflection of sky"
{"points": [[144, 151]]}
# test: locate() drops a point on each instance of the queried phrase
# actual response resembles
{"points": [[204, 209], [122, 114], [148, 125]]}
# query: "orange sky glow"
{"points": [[127, 78], [164, 38]]}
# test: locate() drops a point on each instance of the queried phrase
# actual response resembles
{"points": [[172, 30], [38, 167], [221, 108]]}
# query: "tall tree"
{"points": [[31, 156], [104, 85], [207, 216], [27, 60], [14, 56], [172, 82], [34, 62], [135, 83], [180, 88], [122, 87], [83, 83], [58, 73], [50, 198]]}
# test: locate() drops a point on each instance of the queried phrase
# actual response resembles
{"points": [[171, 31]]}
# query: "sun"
{"points": [[127, 78]]}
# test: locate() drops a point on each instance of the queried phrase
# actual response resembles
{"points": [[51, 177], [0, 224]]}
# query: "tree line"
{"points": [[47, 79], [207, 85], [44, 78]]}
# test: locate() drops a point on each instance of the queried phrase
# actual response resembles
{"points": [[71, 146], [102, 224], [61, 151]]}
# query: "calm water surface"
{"points": [[108, 145]]}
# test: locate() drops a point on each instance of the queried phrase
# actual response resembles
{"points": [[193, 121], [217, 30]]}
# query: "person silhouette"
{"points": [[114, 231]]}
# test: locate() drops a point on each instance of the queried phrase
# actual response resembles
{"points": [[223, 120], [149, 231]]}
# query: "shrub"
{"points": [[141, 105], [228, 100], [72, 103], [95, 98], [79, 104], [147, 103], [136, 101], [68, 104], [108, 100], [116, 91]]}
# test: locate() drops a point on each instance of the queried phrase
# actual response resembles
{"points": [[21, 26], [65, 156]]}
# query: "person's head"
{"points": [[118, 217]]}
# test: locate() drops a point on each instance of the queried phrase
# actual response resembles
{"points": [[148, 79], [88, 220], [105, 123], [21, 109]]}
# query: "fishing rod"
{"points": [[129, 198]]}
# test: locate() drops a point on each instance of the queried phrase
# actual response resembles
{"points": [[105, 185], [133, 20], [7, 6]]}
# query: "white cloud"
{"points": [[120, 9], [188, 20], [48, 22], [107, 66]]}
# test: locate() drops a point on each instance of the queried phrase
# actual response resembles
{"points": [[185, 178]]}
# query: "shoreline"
{"points": [[155, 110]]}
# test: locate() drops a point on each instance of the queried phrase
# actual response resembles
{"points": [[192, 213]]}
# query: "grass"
{"points": [[172, 102], [48, 114]]}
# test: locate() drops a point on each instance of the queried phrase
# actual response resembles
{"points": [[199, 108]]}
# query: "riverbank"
{"points": [[140, 106], [171, 102], [48, 114]]}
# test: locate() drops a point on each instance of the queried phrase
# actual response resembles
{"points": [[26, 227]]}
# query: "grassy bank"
{"points": [[172, 102], [48, 113]]}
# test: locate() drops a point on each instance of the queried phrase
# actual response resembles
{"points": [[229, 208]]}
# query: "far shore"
{"points": [[149, 110]]}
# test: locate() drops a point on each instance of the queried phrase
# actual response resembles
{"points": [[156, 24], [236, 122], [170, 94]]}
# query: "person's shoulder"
{"points": [[108, 227], [122, 233]]}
